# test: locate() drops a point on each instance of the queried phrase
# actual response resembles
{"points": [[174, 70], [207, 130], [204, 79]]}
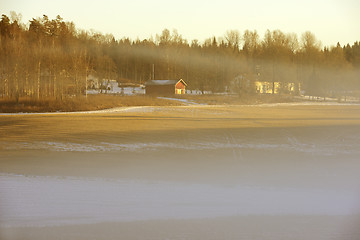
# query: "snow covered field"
{"points": [[190, 103], [115, 89], [193, 172], [40, 201]]}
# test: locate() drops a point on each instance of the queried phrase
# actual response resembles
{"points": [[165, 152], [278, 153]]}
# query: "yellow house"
{"points": [[267, 87]]}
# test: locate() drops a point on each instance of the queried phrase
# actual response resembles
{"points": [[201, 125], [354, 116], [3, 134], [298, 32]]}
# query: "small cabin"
{"points": [[165, 87]]}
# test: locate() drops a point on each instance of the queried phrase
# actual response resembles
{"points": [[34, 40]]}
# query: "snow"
{"points": [[343, 99], [162, 82], [115, 89], [196, 92], [290, 144], [185, 101], [110, 110], [47, 201], [309, 103]]}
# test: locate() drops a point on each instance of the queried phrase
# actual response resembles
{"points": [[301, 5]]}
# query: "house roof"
{"points": [[164, 82]]}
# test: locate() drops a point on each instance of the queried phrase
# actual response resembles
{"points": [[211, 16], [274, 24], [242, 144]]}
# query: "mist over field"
{"points": [[51, 58], [239, 136], [196, 172]]}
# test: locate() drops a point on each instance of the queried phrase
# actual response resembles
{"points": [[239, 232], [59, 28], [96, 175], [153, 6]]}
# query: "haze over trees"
{"points": [[51, 58]]}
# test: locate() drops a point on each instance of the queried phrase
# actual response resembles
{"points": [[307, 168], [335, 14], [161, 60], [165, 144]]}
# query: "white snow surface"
{"points": [[115, 89], [110, 110], [189, 103], [47, 201], [185, 101], [291, 145], [162, 82]]}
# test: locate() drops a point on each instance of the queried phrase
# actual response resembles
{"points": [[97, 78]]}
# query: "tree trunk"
{"points": [[38, 81], [54, 85], [86, 78], [16, 84]]}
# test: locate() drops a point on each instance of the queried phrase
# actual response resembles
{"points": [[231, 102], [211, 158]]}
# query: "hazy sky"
{"points": [[331, 21]]}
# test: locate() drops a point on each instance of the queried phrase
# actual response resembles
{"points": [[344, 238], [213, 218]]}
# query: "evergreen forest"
{"points": [[51, 58]]}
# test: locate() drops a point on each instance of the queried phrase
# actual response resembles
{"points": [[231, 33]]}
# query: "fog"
{"points": [[53, 59], [195, 172]]}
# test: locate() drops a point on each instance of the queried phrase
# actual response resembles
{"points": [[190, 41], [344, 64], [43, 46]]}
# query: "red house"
{"points": [[165, 87]]}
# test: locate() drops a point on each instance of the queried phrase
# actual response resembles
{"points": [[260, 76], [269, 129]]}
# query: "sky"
{"points": [[331, 21]]}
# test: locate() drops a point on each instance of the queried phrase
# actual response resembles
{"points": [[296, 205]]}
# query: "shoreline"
{"points": [[135, 108], [203, 164], [103, 103]]}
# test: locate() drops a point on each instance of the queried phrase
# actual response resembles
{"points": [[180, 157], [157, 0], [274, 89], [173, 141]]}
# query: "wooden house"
{"points": [[165, 87], [277, 87]]}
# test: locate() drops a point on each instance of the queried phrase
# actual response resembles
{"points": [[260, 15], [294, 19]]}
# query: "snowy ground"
{"points": [[73, 200], [342, 99], [185, 101], [268, 172], [115, 89]]}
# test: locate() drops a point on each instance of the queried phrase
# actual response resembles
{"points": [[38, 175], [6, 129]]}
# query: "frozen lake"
{"points": [[47, 201], [182, 173]]}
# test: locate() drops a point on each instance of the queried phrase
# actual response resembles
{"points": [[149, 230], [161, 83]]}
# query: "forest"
{"points": [[51, 58]]}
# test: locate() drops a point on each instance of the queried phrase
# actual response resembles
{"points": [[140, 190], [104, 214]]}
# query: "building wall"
{"points": [[160, 89], [267, 87], [180, 88]]}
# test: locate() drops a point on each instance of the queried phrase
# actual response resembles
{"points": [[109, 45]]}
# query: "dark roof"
{"points": [[164, 82]]}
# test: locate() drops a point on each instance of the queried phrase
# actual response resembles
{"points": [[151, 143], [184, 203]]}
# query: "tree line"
{"points": [[52, 58]]}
